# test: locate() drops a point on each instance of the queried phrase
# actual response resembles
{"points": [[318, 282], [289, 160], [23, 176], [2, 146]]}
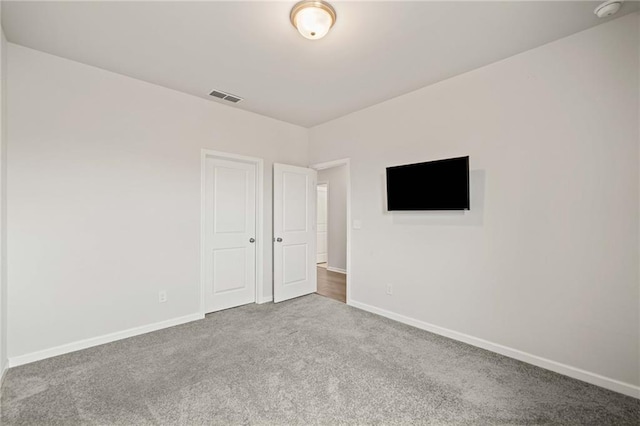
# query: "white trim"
{"points": [[266, 299], [567, 370], [259, 162], [330, 164], [327, 165], [100, 340], [5, 368], [338, 270]]}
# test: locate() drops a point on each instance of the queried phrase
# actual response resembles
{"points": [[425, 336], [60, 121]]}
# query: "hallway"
{"points": [[332, 284]]}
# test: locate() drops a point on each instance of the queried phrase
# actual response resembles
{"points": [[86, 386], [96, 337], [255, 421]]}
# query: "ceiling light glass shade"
{"points": [[313, 19]]}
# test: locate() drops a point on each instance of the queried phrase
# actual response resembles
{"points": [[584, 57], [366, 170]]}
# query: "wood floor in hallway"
{"points": [[332, 284]]}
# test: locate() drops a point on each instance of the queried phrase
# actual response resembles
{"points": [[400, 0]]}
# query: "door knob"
{"points": [[252, 240], [279, 239]]}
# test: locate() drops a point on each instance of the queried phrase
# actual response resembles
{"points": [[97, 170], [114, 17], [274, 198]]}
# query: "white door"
{"points": [[230, 226], [321, 224], [294, 231]]}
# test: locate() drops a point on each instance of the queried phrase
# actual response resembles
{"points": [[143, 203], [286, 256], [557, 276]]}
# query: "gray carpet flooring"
{"points": [[310, 360]]}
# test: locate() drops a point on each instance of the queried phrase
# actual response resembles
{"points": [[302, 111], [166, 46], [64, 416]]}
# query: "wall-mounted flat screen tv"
{"points": [[434, 185]]}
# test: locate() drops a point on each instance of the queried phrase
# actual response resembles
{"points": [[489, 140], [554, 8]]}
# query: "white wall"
{"points": [[336, 178], [104, 197], [546, 261], [3, 203]]}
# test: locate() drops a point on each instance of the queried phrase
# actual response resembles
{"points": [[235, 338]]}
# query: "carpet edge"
{"points": [[557, 367], [100, 340]]}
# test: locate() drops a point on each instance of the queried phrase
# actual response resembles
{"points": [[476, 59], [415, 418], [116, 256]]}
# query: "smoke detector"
{"points": [[608, 8]]}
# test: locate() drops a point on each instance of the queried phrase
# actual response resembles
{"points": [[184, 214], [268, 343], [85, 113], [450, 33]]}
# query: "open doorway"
{"points": [[332, 229]]}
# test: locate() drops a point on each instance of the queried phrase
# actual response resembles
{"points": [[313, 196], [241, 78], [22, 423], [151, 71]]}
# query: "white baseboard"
{"points": [[567, 370], [338, 270], [5, 368], [100, 340]]}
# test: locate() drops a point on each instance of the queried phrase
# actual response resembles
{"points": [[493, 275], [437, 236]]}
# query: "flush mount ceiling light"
{"points": [[608, 8], [313, 18]]}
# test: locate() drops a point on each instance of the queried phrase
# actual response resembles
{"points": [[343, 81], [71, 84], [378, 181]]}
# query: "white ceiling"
{"points": [[375, 51]]}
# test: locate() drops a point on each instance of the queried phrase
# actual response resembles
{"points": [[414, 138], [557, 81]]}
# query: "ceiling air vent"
{"points": [[225, 96]]}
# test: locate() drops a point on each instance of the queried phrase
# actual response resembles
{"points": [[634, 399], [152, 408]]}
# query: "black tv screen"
{"points": [[434, 185]]}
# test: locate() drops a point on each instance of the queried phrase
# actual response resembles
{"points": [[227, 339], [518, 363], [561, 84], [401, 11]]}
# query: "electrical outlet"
{"points": [[162, 296], [389, 289]]}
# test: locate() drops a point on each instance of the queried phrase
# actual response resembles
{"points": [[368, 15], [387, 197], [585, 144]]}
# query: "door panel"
{"points": [[230, 224], [230, 267], [321, 223], [294, 225], [230, 195], [294, 257], [295, 202]]}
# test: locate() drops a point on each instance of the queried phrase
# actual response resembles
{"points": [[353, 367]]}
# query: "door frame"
{"points": [[259, 246], [328, 165]]}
